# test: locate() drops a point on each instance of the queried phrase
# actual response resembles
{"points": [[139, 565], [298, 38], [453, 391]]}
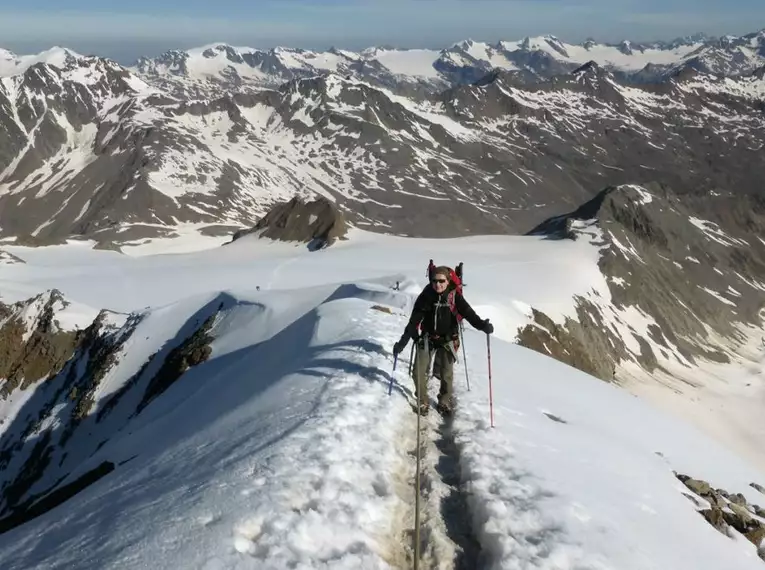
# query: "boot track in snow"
{"points": [[447, 541]]}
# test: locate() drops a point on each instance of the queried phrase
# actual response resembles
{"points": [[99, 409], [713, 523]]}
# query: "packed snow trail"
{"points": [[446, 538]]}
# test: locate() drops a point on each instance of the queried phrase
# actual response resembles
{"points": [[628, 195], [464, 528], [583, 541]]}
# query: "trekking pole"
{"points": [[464, 357], [417, 499], [411, 359], [491, 401], [390, 388], [419, 454]]}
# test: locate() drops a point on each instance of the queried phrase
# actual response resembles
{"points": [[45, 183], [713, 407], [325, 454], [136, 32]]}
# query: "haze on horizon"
{"points": [[148, 28]]}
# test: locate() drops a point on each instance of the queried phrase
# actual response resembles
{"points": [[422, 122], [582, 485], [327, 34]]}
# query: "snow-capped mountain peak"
{"points": [[12, 64], [540, 43], [626, 47], [216, 68], [589, 68]]}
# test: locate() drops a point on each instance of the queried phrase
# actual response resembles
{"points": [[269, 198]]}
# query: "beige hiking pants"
{"points": [[443, 357]]}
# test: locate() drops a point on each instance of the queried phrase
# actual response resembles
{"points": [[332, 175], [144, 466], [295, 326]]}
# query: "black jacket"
{"points": [[438, 321]]}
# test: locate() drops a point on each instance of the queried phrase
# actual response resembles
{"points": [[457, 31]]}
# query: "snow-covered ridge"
{"points": [[12, 64], [279, 445]]}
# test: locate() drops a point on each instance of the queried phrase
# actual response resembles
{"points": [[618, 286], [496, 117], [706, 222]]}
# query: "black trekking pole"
{"points": [[491, 397], [390, 388], [411, 358]]}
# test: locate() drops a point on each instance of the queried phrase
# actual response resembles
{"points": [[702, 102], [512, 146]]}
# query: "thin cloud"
{"points": [[109, 26]]}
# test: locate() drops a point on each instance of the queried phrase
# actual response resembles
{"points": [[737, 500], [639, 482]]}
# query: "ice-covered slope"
{"points": [[279, 444]]}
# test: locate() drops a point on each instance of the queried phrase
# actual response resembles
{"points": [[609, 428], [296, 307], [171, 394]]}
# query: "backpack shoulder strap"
{"points": [[451, 299]]}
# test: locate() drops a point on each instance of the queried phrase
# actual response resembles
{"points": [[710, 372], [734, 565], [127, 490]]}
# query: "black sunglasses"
{"points": [[438, 281]]}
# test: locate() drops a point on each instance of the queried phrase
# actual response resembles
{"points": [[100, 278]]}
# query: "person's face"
{"points": [[439, 282]]}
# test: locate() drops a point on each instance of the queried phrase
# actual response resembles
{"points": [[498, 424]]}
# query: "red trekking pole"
{"points": [[491, 400]]}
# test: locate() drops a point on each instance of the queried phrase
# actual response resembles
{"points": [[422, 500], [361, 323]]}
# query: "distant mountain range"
{"points": [[225, 67], [473, 138], [464, 62]]}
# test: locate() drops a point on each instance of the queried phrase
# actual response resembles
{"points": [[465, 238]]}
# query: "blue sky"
{"points": [[147, 27]]}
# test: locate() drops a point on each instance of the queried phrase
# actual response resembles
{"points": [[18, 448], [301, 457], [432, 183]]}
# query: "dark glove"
{"points": [[400, 345], [488, 328]]}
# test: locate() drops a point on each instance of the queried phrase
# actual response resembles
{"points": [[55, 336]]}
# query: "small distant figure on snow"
{"points": [[257, 287], [431, 269], [396, 287]]}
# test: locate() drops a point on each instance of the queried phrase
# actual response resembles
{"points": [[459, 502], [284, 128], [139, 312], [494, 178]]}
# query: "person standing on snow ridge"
{"points": [[431, 269], [435, 310]]}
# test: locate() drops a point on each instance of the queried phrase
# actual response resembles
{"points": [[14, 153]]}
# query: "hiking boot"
{"points": [[424, 409], [444, 408]]}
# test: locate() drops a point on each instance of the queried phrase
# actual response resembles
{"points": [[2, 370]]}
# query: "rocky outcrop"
{"points": [[578, 343], [55, 498], [32, 344], [683, 276], [62, 369], [191, 352], [727, 512], [51, 436], [318, 223], [7, 258]]}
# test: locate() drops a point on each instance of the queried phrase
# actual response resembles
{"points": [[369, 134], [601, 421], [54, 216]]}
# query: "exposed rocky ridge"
{"points": [[59, 365], [111, 160], [46, 446], [685, 278], [33, 346], [317, 223]]}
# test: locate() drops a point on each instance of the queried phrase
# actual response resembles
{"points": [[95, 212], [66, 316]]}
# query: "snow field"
{"points": [[334, 510], [577, 474], [288, 466], [285, 450]]}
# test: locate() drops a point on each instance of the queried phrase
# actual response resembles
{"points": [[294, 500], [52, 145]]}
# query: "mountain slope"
{"points": [[281, 446], [121, 161], [684, 300]]}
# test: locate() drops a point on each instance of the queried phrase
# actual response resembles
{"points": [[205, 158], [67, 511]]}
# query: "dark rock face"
{"points": [[318, 223], [191, 352]]}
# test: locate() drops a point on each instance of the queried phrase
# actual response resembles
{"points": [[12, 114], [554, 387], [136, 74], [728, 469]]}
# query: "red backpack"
{"points": [[457, 289]]}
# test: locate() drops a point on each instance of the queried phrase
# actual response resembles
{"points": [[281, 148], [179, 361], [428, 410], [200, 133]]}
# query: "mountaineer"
{"points": [[434, 326]]}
